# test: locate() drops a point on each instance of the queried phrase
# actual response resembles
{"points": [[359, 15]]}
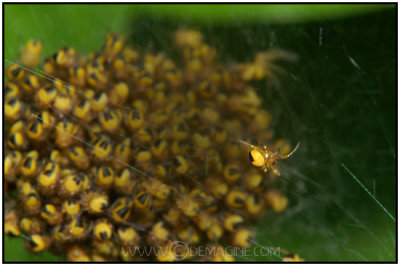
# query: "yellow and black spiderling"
{"points": [[121, 209], [31, 54], [104, 176], [142, 200], [82, 111], [78, 228], [13, 109], [11, 224], [15, 72], [71, 207], [78, 156], [11, 91], [102, 230], [124, 183], [38, 243], [128, 236], [77, 254], [94, 202], [31, 225], [51, 215], [48, 178], [31, 83], [102, 149], [72, 184], [128, 148]]}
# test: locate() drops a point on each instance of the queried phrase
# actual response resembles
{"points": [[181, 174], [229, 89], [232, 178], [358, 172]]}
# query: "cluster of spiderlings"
{"points": [[125, 149]]}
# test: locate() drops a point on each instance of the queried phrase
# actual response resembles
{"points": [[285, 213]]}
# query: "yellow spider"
{"points": [[265, 158]]}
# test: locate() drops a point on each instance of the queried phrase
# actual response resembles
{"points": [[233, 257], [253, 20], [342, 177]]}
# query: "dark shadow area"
{"points": [[339, 100]]}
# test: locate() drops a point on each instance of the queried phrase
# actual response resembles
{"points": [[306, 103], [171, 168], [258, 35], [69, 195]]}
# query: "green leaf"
{"points": [[84, 26], [15, 251]]}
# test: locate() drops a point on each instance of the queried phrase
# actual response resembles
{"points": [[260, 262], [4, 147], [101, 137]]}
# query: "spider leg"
{"points": [[290, 154], [247, 144], [286, 179], [265, 168], [275, 170]]}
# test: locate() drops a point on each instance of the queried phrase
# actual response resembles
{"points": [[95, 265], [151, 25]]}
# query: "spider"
{"points": [[265, 158]]}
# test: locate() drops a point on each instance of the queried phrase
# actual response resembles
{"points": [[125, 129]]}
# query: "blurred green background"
{"points": [[338, 99]]}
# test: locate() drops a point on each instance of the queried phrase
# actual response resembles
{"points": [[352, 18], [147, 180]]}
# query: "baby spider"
{"points": [[265, 158]]}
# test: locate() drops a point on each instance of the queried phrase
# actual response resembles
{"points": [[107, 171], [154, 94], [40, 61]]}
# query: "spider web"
{"points": [[338, 99]]}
